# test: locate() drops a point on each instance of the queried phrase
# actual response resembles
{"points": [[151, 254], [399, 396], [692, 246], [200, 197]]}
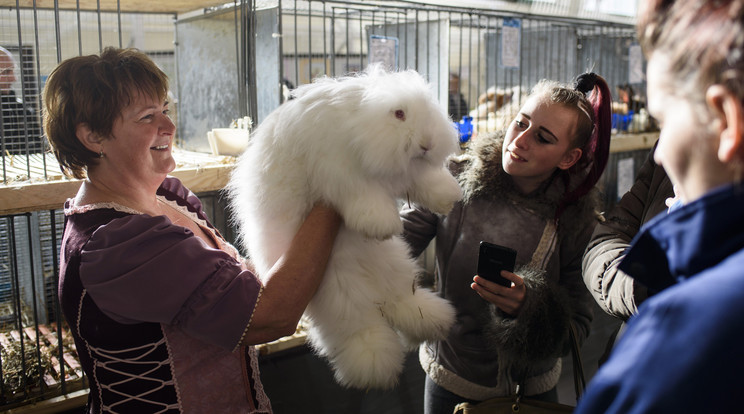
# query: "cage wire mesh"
{"points": [[266, 50]]}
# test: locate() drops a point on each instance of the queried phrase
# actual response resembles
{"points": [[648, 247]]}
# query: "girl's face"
{"points": [[687, 146], [140, 149], [538, 141]]}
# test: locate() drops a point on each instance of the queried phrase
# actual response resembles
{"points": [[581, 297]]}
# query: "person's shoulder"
{"points": [[172, 185], [133, 226], [173, 189], [711, 300], [87, 218], [482, 157], [721, 285]]}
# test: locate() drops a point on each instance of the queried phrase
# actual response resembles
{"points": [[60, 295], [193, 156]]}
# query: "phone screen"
{"points": [[492, 259]]}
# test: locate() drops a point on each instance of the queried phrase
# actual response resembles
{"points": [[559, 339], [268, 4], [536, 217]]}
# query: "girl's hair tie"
{"points": [[585, 82]]}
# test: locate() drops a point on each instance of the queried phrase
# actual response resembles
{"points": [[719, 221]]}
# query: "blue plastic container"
{"points": [[465, 127]]}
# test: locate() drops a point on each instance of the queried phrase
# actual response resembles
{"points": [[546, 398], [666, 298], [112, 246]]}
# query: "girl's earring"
{"points": [[101, 154]]}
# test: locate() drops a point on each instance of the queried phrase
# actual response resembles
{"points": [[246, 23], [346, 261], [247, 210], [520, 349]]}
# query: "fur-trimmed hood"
{"points": [[481, 174]]}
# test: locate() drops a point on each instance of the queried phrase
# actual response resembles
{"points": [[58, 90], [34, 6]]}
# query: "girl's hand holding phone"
{"points": [[508, 299]]}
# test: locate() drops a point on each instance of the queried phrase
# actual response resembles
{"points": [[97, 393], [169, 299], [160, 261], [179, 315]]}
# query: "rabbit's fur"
{"points": [[359, 143]]}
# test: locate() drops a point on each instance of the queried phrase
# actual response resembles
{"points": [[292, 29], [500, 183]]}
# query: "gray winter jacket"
{"points": [[616, 292], [487, 351]]}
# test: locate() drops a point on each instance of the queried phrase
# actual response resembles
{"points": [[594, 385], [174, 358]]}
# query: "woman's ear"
{"points": [[727, 109], [570, 158], [88, 138]]}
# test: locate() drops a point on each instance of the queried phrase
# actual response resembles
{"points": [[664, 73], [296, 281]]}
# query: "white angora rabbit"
{"points": [[358, 143]]}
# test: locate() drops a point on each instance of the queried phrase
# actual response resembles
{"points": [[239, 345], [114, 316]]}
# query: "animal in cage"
{"points": [[498, 107], [361, 143]]}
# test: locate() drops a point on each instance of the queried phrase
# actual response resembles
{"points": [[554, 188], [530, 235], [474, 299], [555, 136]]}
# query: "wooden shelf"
{"points": [[199, 172], [633, 142]]}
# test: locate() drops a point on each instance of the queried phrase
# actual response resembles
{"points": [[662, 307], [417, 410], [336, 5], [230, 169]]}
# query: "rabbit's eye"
{"points": [[400, 114]]}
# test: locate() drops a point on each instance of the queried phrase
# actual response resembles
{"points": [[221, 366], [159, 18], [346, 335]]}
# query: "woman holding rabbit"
{"points": [[163, 310]]}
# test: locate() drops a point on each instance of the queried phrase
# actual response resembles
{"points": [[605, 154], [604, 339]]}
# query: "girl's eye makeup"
{"points": [[541, 138]]}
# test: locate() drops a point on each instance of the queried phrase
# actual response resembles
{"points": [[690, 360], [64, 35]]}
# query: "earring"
{"points": [[101, 154]]}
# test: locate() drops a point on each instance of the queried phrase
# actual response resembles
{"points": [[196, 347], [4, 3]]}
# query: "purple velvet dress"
{"points": [[157, 315]]}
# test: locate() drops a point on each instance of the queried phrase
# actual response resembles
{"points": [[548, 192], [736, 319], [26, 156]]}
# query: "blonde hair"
{"points": [[592, 132]]}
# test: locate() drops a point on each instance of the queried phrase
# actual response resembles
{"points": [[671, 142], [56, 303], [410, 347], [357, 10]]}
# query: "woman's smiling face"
{"points": [[538, 141], [141, 142]]}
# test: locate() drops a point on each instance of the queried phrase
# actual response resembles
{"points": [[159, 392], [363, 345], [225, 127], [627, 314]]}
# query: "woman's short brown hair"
{"points": [[94, 90]]}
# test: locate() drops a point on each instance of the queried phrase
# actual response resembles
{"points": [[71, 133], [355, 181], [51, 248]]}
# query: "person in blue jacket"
{"points": [[684, 350]]}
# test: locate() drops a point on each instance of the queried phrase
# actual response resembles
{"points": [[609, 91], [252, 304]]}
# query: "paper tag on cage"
{"points": [[510, 39]]}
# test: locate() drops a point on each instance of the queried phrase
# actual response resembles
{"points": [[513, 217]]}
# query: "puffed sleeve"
{"points": [[143, 269]]}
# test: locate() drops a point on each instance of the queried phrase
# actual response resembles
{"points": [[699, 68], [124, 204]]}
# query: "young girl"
{"points": [[527, 189]]}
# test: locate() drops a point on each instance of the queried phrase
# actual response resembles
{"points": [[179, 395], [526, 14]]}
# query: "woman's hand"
{"points": [[508, 299]]}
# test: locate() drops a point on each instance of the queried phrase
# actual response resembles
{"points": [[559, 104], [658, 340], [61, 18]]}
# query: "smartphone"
{"points": [[492, 259]]}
